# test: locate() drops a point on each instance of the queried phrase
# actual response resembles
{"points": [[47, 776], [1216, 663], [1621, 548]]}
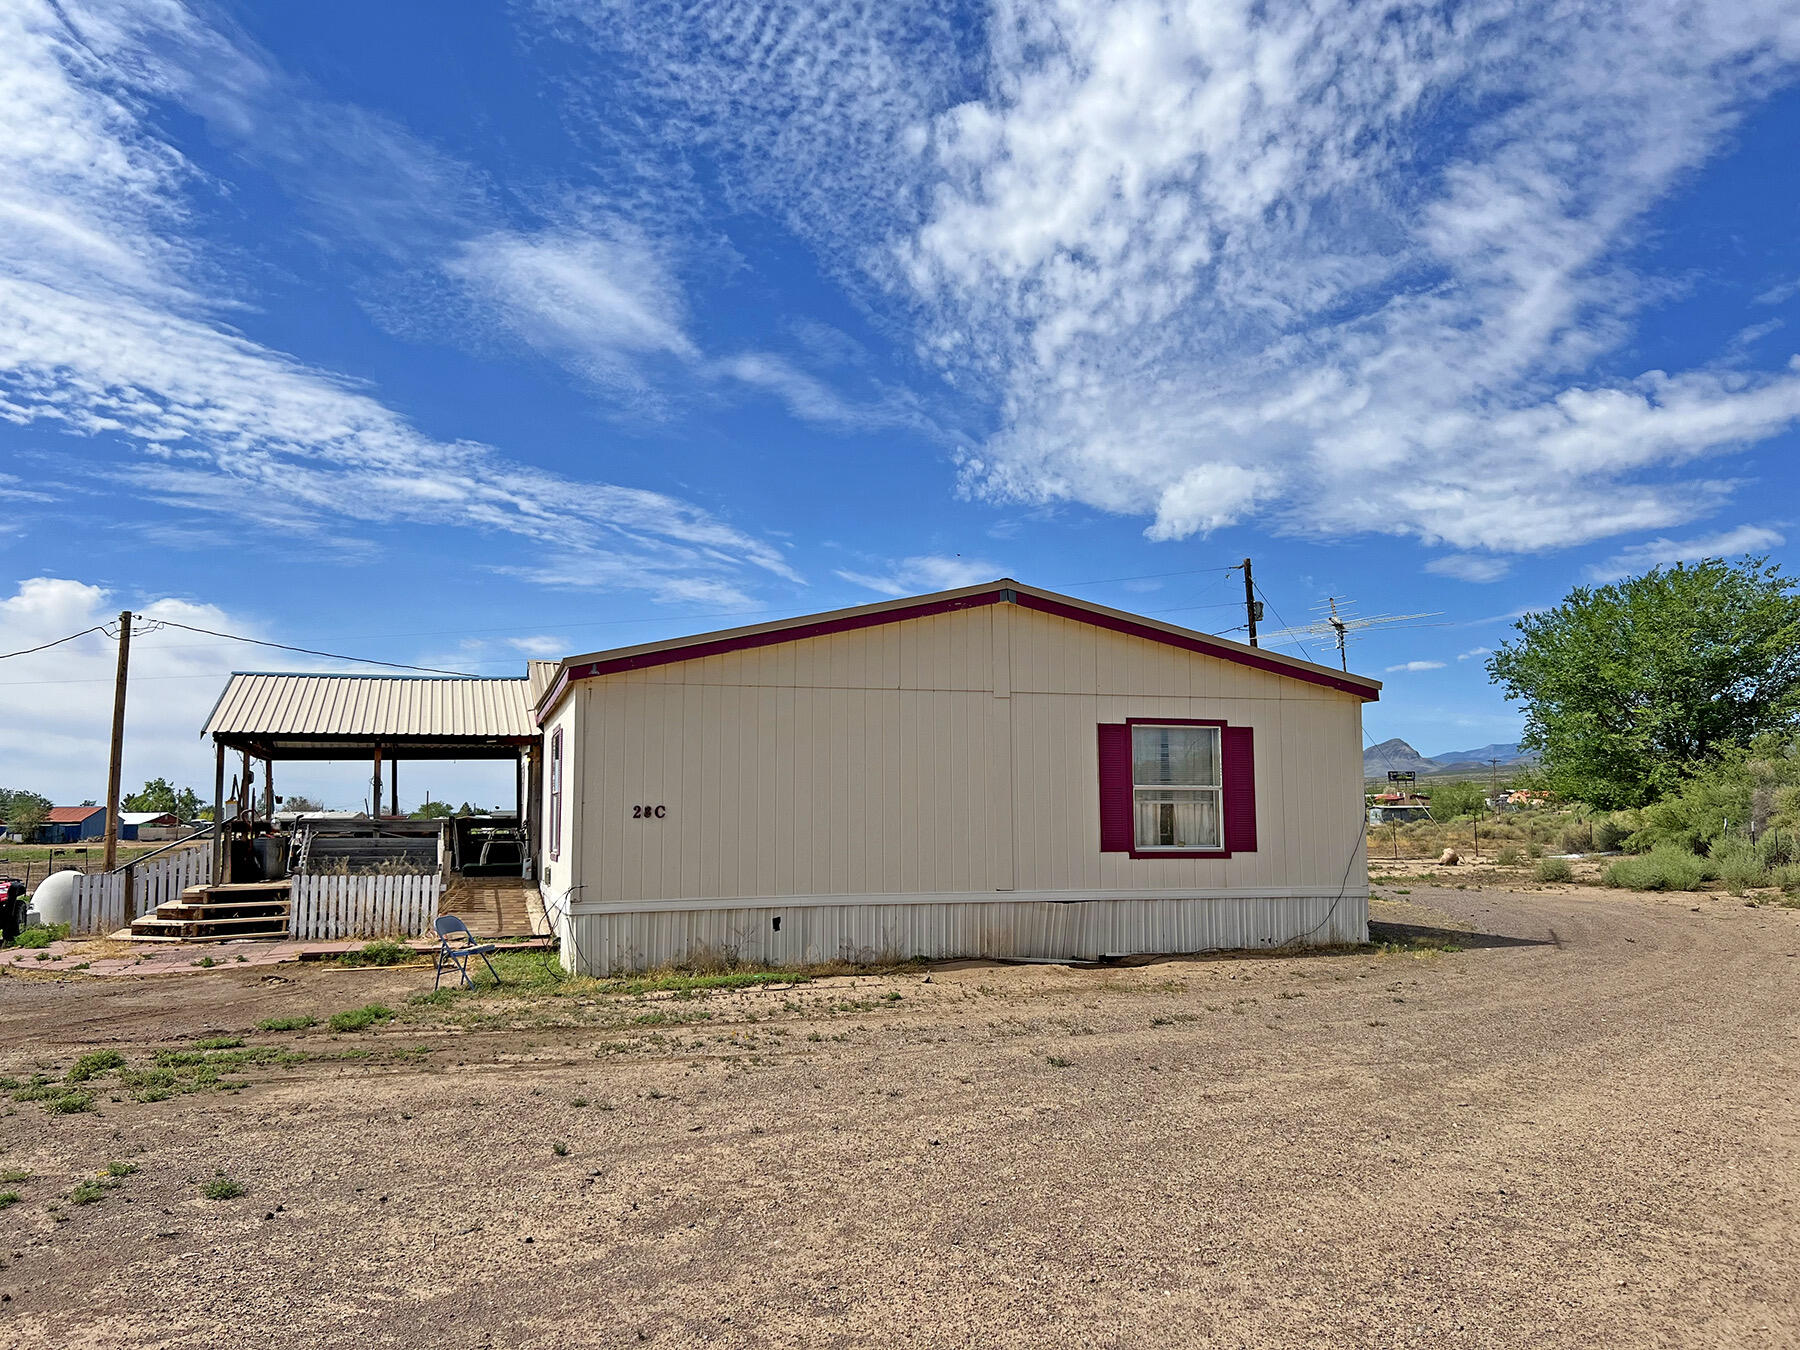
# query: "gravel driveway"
{"points": [[1577, 1128]]}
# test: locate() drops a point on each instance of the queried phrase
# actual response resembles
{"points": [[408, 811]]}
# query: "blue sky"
{"points": [[451, 334]]}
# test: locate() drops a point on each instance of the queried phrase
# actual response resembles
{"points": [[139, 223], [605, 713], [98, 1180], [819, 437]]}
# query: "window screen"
{"points": [[1176, 788], [556, 789]]}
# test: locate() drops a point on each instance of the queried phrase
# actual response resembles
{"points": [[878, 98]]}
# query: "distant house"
{"points": [[71, 825], [148, 825], [1388, 808]]}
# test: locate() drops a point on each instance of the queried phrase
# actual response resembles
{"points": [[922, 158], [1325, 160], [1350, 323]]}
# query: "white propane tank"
{"points": [[54, 899]]}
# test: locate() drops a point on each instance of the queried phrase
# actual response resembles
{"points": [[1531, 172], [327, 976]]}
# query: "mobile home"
{"points": [[994, 771]]}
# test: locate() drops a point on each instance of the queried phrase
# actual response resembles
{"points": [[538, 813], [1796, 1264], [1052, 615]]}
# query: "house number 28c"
{"points": [[649, 812]]}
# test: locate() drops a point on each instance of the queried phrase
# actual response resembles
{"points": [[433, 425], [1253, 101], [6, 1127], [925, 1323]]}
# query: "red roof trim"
{"points": [[1133, 628], [1118, 623]]}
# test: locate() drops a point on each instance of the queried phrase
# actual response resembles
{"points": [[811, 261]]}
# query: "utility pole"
{"points": [[116, 757], [1494, 768], [1252, 606]]}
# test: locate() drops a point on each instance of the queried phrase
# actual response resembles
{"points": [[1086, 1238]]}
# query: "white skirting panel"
{"points": [[610, 942]]}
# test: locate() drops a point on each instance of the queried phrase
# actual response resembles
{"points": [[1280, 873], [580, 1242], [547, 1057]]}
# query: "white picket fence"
{"points": [[99, 905], [330, 907]]}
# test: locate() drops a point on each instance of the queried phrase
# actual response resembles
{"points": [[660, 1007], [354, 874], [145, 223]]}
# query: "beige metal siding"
{"points": [[372, 705], [604, 943], [948, 755]]}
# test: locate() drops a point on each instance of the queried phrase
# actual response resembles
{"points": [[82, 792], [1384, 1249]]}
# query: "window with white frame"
{"points": [[556, 792], [1176, 788]]}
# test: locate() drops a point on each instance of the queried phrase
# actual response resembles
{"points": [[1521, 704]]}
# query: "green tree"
{"points": [[434, 811], [157, 795], [23, 811], [1463, 797], [1631, 688], [188, 805], [299, 803]]}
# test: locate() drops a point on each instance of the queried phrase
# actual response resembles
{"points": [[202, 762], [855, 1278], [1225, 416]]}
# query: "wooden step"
{"points": [[242, 909]]}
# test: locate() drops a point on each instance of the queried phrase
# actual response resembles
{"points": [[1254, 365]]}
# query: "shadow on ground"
{"points": [[1419, 934]]}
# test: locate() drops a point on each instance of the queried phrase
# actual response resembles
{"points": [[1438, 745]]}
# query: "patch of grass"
{"points": [[1509, 855], [120, 1169], [560, 1149], [221, 1187], [206, 961], [9, 1198], [1555, 869], [42, 935], [1058, 1062], [69, 1104], [1667, 867], [87, 1192], [579, 1101], [381, 952], [94, 1063], [14, 1174], [892, 996], [360, 1019], [441, 997], [299, 1022], [219, 1043]]}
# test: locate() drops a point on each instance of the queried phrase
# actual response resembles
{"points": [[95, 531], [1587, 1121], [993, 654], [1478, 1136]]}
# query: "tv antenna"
{"points": [[1338, 624]]}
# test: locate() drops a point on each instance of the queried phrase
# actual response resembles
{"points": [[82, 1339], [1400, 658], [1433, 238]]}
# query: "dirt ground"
{"points": [[1561, 1117]]}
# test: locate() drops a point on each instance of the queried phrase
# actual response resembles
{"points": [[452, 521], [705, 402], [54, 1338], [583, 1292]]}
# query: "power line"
{"points": [[45, 646], [1284, 623], [306, 651]]}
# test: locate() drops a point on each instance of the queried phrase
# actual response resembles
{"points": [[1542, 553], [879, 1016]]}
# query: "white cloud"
{"points": [[1343, 269], [1779, 294], [1415, 666], [927, 572], [1469, 567], [543, 647], [106, 328], [1662, 552], [56, 705], [598, 295], [1474, 652]]}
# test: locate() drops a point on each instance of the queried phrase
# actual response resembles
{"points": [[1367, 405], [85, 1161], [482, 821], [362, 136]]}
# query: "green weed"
{"points": [[93, 1064], [221, 1187], [299, 1022], [360, 1019]]}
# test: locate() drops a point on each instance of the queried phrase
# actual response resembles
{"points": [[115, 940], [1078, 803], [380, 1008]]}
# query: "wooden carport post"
{"points": [[375, 791], [218, 832], [394, 787]]}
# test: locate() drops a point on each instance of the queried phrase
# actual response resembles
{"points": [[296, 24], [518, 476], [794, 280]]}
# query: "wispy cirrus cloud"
{"points": [[113, 323], [1469, 567], [1335, 269], [1663, 552], [925, 572], [1413, 667]]}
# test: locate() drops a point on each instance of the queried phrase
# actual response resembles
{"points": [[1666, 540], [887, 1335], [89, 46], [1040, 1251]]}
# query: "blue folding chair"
{"points": [[457, 953]]}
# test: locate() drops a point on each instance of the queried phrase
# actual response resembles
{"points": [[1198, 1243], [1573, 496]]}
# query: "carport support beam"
{"points": [[394, 787], [375, 789], [218, 859]]}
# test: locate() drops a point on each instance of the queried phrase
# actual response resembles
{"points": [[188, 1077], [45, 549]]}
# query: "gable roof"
{"points": [[71, 815], [1002, 591]]}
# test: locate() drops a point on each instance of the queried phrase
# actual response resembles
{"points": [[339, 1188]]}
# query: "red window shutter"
{"points": [[1238, 777], [1115, 788]]}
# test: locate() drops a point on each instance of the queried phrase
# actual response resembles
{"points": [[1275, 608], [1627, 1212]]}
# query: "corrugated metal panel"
{"points": [[372, 705], [609, 943]]}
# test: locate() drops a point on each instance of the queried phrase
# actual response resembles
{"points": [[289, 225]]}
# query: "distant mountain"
{"points": [[1506, 753], [1397, 754]]}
